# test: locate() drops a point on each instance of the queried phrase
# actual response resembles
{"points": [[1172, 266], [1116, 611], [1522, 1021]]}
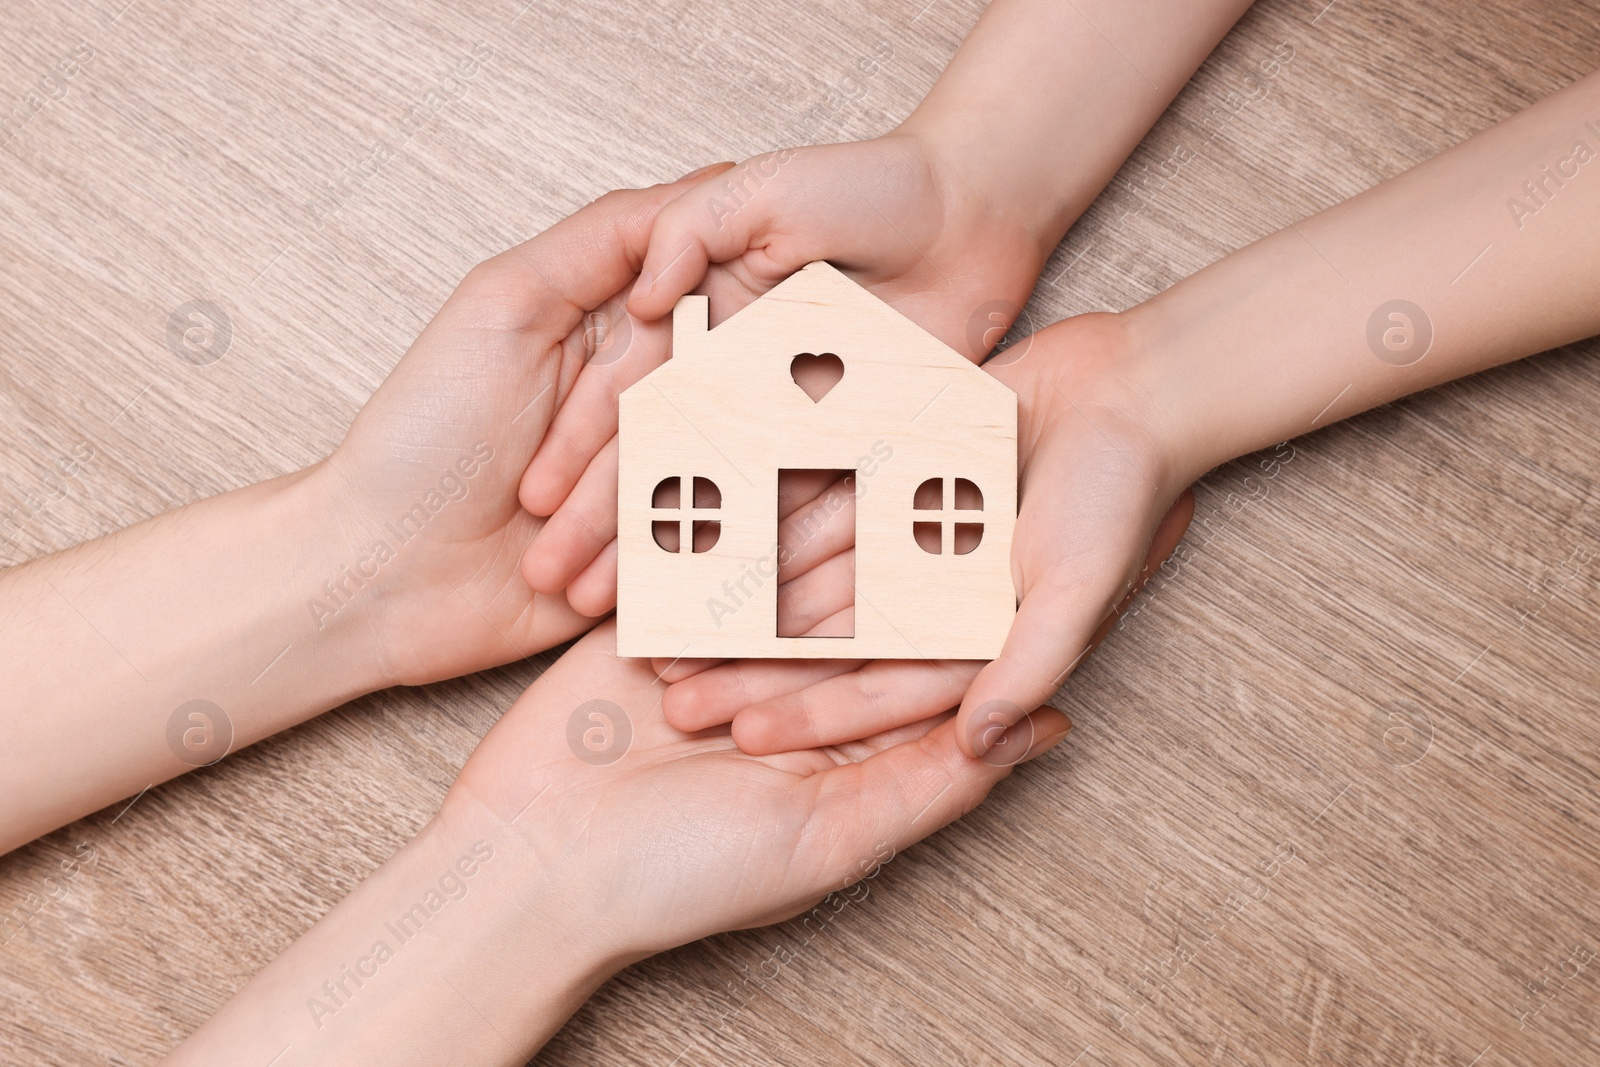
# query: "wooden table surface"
{"points": [[1332, 795]]}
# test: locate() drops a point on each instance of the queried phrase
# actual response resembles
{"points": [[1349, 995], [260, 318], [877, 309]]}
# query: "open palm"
{"points": [[658, 837]]}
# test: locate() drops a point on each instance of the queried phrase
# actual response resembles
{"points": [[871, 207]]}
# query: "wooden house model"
{"points": [[706, 438]]}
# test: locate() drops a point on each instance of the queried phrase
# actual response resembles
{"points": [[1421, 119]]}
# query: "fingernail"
{"points": [[641, 288], [701, 171], [1045, 745]]}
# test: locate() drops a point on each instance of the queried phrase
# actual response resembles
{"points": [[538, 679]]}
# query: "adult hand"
{"points": [[949, 218], [661, 836], [166, 645], [586, 833], [425, 482]]}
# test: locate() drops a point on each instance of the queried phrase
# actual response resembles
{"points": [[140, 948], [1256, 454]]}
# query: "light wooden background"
{"points": [[1425, 561]]}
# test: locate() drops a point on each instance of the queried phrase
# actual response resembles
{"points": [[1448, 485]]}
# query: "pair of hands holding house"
{"points": [[949, 219], [274, 603], [400, 560]]}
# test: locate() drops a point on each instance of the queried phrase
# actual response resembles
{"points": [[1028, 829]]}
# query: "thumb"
{"points": [[1056, 627], [712, 222], [900, 795]]}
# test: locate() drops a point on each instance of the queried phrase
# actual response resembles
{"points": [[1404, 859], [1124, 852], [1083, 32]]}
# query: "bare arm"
{"points": [[552, 865], [131, 659], [1493, 247], [1047, 98]]}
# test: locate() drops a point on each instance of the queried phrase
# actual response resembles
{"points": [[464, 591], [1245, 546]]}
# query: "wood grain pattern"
{"points": [[727, 414], [1332, 796]]}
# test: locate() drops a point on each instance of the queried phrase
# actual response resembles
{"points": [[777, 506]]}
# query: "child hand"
{"points": [[1099, 511], [889, 211]]}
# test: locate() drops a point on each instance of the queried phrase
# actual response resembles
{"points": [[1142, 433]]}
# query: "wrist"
{"points": [[1252, 351], [1166, 377], [977, 183], [454, 950], [544, 876], [1098, 367], [199, 645], [528, 946], [338, 602]]}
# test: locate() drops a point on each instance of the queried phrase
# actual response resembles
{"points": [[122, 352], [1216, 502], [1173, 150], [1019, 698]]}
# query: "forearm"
{"points": [[104, 646], [1299, 329], [455, 950], [1046, 99]]}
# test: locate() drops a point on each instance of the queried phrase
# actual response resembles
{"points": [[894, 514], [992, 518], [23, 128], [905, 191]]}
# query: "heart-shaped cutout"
{"points": [[816, 375]]}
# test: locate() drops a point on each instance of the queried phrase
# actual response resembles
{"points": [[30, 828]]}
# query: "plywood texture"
{"points": [[1228, 862], [729, 410]]}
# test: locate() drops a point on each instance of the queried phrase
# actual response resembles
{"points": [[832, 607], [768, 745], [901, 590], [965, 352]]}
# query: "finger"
{"points": [[901, 794], [841, 623], [614, 352], [871, 745], [715, 696], [714, 221], [805, 762], [676, 670], [808, 609], [617, 351], [701, 173], [802, 487], [882, 695], [594, 592], [818, 530], [579, 530], [1165, 541], [534, 285], [820, 602], [1057, 625]]}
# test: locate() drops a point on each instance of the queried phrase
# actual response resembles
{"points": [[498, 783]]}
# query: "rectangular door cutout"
{"points": [[816, 553]]}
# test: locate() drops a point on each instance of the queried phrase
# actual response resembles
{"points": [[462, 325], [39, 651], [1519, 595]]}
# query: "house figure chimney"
{"points": [[691, 320]]}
